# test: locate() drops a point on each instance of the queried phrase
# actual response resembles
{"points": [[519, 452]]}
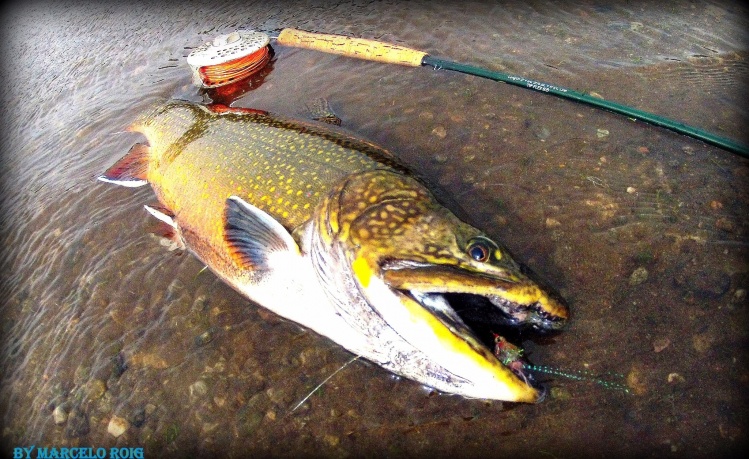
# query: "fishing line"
{"points": [[301, 402], [384, 52], [581, 375]]}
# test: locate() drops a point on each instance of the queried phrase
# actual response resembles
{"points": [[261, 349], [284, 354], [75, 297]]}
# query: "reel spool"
{"points": [[229, 58]]}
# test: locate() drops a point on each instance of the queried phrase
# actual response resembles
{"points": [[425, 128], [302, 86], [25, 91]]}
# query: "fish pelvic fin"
{"points": [[255, 239], [131, 170], [162, 213]]}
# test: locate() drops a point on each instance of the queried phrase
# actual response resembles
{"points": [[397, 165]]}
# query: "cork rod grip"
{"points": [[361, 48]]}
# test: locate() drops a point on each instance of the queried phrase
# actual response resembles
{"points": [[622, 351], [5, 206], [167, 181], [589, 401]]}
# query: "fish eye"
{"points": [[479, 251]]}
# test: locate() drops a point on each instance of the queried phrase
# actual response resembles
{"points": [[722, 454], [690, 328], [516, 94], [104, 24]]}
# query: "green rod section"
{"points": [[631, 112]]}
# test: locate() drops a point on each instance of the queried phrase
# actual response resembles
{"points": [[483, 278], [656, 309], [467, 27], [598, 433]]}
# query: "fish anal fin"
{"points": [[167, 228], [131, 170], [254, 238]]}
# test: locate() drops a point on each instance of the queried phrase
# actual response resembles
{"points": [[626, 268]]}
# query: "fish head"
{"points": [[411, 258]]}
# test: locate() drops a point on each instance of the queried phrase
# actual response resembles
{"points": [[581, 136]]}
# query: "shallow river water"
{"points": [[644, 231]]}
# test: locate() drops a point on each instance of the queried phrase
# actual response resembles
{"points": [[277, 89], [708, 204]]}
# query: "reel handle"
{"points": [[359, 48]]}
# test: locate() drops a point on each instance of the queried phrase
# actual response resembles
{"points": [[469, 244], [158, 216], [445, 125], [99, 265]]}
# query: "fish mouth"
{"points": [[482, 309], [521, 315]]}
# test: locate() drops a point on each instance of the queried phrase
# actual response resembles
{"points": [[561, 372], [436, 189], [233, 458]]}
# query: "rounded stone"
{"points": [[117, 426], [638, 276], [710, 283], [95, 389], [137, 417], [204, 338], [198, 389], [59, 415], [636, 382]]}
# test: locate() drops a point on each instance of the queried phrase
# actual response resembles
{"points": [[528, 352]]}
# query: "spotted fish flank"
{"points": [[332, 232]]}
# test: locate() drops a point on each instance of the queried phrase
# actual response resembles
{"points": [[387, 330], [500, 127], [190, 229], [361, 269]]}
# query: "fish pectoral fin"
{"points": [[131, 170], [254, 237]]}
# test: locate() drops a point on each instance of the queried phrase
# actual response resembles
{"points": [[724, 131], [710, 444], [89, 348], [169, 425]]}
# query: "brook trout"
{"points": [[332, 232]]}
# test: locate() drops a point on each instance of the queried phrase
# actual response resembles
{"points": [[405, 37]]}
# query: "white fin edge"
{"points": [[126, 183], [161, 216]]}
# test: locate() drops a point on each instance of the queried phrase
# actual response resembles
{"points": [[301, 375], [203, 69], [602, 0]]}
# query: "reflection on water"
{"points": [[644, 231]]}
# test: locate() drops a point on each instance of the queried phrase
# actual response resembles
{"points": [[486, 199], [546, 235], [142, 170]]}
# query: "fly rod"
{"points": [[373, 50]]}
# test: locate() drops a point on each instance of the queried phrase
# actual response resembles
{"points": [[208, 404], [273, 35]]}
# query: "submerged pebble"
{"points": [[552, 223], [636, 382], [660, 344], [95, 389], [151, 360], [725, 224], [119, 365], [279, 395], [204, 338], [200, 303], [197, 390], [138, 417], [638, 276], [252, 421], [711, 283], [117, 426], [558, 393], [542, 132], [331, 440], [60, 415], [149, 409], [702, 342], [104, 405]]}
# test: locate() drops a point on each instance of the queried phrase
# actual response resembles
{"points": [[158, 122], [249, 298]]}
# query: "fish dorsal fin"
{"points": [[131, 170], [253, 236]]}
